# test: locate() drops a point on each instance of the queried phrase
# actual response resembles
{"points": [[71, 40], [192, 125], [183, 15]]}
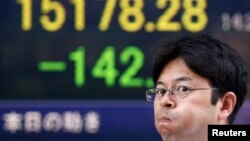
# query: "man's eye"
{"points": [[161, 91], [183, 89]]}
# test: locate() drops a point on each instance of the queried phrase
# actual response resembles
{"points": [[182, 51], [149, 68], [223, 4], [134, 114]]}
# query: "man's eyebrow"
{"points": [[179, 79], [183, 78]]}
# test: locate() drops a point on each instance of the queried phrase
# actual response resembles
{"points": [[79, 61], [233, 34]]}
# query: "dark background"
{"points": [[21, 51]]}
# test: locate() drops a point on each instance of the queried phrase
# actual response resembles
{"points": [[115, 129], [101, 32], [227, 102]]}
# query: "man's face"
{"points": [[183, 116]]}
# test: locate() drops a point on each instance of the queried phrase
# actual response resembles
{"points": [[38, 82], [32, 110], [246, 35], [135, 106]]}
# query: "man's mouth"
{"points": [[164, 119]]}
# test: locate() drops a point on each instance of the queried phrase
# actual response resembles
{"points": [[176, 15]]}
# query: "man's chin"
{"points": [[164, 128]]}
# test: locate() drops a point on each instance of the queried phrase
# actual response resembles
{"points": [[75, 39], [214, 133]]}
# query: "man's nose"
{"points": [[167, 100]]}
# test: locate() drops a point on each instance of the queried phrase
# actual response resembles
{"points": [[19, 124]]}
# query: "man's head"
{"points": [[197, 61]]}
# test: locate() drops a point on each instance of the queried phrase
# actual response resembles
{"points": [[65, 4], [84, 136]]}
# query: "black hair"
{"points": [[210, 58]]}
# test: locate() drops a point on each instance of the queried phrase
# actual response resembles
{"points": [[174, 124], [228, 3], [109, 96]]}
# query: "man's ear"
{"points": [[228, 102]]}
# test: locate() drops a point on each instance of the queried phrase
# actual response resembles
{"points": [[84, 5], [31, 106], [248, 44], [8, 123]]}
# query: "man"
{"points": [[199, 81]]}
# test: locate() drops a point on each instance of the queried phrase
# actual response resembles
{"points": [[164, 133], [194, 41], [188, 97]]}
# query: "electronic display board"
{"points": [[78, 69], [77, 121], [101, 49]]}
